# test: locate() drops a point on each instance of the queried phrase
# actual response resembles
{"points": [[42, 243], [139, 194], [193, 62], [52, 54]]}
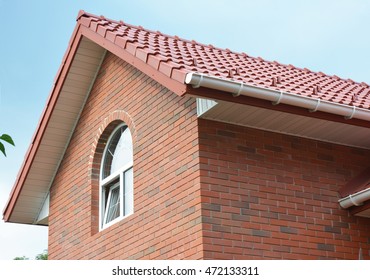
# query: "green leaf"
{"points": [[7, 139], [2, 148]]}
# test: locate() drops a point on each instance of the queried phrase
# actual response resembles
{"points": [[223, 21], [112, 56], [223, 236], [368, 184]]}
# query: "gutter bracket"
{"points": [[317, 106], [352, 114], [353, 201], [239, 91], [199, 82], [279, 99]]}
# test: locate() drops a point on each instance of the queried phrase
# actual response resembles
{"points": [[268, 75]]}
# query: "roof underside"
{"points": [[62, 121], [288, 123], [168, 59]]}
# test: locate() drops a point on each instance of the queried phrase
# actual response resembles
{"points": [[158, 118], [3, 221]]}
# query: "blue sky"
{"points": [[328, 36]]}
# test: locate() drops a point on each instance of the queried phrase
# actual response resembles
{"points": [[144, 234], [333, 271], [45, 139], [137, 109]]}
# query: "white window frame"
{"points": [[119, 174]]}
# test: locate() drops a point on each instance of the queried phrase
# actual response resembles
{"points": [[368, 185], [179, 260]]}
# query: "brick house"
{"points": [[155, 147]]}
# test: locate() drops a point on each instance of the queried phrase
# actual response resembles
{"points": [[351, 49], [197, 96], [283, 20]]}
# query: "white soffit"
{"points": [[63, 119], [285, 123]]}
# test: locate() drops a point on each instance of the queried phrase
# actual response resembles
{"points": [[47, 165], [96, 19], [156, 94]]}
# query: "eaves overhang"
{"points": [[71, 88], [236, 88], [278, 111]]}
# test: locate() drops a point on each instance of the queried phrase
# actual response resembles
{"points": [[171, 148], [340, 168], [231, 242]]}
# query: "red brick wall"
{"points": [[232, 192], [166, 220], [273, 196]]}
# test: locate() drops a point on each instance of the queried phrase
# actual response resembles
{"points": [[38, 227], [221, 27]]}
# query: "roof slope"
{"points": [[175, 57]]}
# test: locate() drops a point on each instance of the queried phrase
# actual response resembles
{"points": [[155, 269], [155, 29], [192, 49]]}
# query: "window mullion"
{"points": [[101, 205], [122, 194], [107, 207]]}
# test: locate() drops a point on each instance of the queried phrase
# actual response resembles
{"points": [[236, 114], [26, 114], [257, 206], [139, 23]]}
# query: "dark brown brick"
{"points": [[326, 247], [261, 233], [332, 229], [288, 230]]}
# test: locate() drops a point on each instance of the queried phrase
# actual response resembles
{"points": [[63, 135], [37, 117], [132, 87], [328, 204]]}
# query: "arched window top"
{"points": [[118, 152]]}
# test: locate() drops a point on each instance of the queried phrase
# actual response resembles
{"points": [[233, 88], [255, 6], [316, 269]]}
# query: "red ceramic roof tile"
{"points": [[169, 53]]}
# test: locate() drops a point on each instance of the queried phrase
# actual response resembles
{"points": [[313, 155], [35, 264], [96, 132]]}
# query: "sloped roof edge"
{"points": [[43, 121]]}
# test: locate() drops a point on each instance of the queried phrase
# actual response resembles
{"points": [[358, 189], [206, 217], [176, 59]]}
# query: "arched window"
{"points": [[116, 177]]}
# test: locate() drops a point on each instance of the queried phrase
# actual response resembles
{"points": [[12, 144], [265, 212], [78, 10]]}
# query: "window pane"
{"points": [[112, 209], [110, 150], [129, 192], [118, 151], [123, 151]]}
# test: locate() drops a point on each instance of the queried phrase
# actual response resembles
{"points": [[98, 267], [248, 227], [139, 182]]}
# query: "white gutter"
{"points": [[277, 97], [355, 199]]}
